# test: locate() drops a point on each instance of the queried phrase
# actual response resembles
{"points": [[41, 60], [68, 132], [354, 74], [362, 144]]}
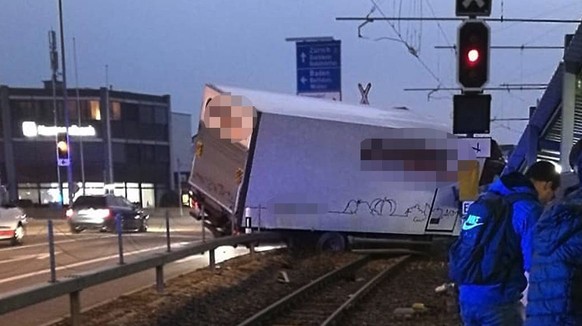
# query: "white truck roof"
{"points": [[314, 108]]}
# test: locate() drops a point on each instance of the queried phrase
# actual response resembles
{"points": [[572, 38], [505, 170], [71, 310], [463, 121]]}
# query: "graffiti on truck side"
{"points": [[419, 212], [385, 207]]}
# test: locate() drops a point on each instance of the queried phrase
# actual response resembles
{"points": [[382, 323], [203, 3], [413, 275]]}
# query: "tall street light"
{"points": [[65, 105]]}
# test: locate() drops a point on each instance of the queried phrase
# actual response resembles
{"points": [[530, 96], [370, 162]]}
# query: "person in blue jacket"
{"points": [[500, 304], [555, 289]]}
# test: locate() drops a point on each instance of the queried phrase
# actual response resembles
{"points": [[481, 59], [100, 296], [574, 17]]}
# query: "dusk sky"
{"points": [[176, 46]]}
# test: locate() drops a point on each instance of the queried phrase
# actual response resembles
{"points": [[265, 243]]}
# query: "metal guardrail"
{"points": [[73, 285]]}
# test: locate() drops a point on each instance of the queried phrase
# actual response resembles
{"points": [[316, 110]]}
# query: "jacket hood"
{"points": [[559, 223], [514, 182]]}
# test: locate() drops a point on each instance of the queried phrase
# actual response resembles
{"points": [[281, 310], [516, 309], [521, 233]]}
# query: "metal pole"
{"points": [[51, 240], [65, 104], [119, 237], [168, 231], [108, 128], [202, 222], [212, 260], [79, 117], [55, 68], [252, 249], [179, 186], [75, 303], [160, 278]]}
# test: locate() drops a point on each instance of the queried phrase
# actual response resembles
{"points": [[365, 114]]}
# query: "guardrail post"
{"points": [[169, 245], [160, 278], [118, 224], [75, 302], [51, 240], [252, 249], [212, 262], [202, 222]]}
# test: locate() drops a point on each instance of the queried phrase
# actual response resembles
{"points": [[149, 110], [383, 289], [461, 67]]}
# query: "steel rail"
{"points": [[288, 300], [364, 290]]}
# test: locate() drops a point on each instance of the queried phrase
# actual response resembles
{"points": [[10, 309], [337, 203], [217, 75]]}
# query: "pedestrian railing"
{"points": [[74, 284]]}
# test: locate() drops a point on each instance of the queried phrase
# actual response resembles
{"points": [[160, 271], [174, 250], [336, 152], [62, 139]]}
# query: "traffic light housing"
{"points": [[63, 157], [473, 54]]}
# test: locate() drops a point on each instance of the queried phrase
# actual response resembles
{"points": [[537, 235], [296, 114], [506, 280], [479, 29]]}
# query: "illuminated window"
{"points": [[95, 110], [115, 111]]}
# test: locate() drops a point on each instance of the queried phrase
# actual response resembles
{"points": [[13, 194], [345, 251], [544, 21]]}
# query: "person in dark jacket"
{"points": [[500, 304], [555, 289]]}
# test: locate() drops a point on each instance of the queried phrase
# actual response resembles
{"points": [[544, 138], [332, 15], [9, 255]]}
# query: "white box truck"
{"points": [[336, 172]]}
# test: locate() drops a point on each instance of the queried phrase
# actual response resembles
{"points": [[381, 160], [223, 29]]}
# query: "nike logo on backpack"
{"points": [[471, 222]]}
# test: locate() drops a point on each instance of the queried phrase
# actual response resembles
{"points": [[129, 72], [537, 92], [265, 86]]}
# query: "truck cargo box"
{"points": [[309, 164]]}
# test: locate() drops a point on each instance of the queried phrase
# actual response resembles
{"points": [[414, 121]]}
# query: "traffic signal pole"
{"points": [[65, 106], [55, 67]]}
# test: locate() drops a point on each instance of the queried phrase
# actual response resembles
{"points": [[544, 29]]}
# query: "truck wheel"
{"points": [[331, 241]]}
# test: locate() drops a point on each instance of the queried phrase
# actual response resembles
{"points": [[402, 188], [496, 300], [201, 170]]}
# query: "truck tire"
{"points": [[332, 241]]}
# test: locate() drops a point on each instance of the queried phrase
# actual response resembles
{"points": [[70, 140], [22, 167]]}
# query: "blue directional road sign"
{"points": [[319, 67]]}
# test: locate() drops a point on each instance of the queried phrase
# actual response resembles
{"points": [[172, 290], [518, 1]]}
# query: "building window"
{"points": [[162, 154], [146, 114], [24, 110], [118, 152], [132, 153], [29, 194], [147, 152], [73, 109], [115, 111], [95, 110], [161, 115], [130, 112], [148, 196]]}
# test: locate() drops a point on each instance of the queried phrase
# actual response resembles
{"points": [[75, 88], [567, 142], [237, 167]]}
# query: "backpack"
{"points": [[488, 245]]}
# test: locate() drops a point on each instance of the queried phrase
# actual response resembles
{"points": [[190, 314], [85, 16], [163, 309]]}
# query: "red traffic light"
{"points": [[473, 54]]}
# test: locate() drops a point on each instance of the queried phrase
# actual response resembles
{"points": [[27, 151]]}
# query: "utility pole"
{"points": [[54, 56], [65, 104], [79, 117]]}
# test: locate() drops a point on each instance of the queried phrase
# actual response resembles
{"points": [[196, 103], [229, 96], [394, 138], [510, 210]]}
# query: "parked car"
{"points": [[12, 220], [100, 212]]}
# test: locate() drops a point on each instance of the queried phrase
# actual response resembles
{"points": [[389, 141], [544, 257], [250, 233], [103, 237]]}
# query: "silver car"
{"points": [[12, 221]]}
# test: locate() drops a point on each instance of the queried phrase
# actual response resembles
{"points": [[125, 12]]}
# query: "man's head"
{"points": [[545, 179]]}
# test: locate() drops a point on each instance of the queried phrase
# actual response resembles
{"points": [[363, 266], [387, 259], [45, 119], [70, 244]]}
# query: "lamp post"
{"points": [[65, 104]]}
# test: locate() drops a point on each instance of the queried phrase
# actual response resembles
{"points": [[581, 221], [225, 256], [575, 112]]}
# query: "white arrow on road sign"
{"points": [[480, 146], [303, 56], [467, 3], [303, 80]]}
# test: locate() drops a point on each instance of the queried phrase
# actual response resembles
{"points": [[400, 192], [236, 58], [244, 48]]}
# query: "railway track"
{"points": [[327, 299]]}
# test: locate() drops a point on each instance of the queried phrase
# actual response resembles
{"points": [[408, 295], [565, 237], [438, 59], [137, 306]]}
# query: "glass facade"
{"points": [[140, 148], [49, 193]]}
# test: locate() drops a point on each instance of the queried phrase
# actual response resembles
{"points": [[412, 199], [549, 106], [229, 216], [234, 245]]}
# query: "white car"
{"points": [[12, 224]]}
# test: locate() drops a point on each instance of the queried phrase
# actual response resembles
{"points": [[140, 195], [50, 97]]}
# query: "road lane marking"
{"points": [[86, 262], [27, 257], [56, 242]]}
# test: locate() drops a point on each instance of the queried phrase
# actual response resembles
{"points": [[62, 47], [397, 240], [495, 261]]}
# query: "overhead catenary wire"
{"points": [[413, 51], [453, 19]]}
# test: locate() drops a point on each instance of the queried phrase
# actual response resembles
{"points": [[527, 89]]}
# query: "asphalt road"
{"points": [[29, 264]]}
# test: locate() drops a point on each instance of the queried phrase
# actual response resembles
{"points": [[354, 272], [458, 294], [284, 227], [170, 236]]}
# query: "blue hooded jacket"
{"points": [[525, 215], [555, 294]]}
